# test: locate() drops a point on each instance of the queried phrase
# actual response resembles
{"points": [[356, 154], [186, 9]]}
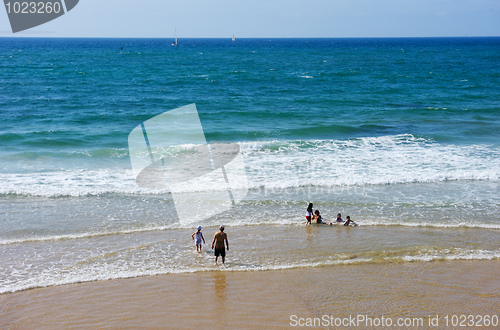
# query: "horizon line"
{"points": [[230, 37]]}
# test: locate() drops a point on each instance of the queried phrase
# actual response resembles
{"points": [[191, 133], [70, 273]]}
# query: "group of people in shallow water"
{"points": [[316, 216], [220, 242]]}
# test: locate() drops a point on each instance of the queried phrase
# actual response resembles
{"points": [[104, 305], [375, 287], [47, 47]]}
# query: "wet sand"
{"points": [[262, 299]]}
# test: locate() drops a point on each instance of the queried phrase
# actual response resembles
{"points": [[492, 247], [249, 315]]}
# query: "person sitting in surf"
{"points": [[318, 217], [349, 221], [339, 218]]}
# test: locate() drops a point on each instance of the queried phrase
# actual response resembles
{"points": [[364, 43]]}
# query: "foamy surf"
{"points": [[399, 159], [110, 272], [71, 259]]}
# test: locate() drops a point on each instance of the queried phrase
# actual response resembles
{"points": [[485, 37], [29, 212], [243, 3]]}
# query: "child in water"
{"points": [[318, 217], [348, 221], [199, 237], [309, 212]]}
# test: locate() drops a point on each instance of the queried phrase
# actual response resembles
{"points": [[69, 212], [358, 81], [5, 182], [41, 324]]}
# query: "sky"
{"points": [[270, 19]]}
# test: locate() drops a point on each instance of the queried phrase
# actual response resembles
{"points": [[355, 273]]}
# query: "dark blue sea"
{"points": [[402, 134]]}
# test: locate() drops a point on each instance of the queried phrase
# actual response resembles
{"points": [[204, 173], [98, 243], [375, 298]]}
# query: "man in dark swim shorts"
{"points": [[219, 239], [220, 252]]}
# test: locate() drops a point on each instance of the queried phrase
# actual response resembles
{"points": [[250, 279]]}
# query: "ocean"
{"points": [[402, 134]]}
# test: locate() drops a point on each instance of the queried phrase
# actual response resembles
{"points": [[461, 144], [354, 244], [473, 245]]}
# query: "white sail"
{"points": [[175, 40]]}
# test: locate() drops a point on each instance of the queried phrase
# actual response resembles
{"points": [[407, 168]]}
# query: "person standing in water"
{"points": [[309, 212], [199, 236], [219, 239]]}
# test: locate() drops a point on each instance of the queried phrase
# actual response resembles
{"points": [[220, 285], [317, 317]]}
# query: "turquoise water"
{"points": [[398, 133]]}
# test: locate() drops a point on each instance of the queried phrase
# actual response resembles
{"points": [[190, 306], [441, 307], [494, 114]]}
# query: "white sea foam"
{"points": [[32, 239], [459, 254], [382, 160], [242, 222], [433, 224], [290, 164], [104, 272]]}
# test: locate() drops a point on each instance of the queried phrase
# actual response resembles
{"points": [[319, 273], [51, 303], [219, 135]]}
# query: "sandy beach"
{"points": [[264, 299]]}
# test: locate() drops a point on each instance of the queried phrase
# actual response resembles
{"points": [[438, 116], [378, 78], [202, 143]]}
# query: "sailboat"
{"points": [[233, 38], [175, 41]]}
